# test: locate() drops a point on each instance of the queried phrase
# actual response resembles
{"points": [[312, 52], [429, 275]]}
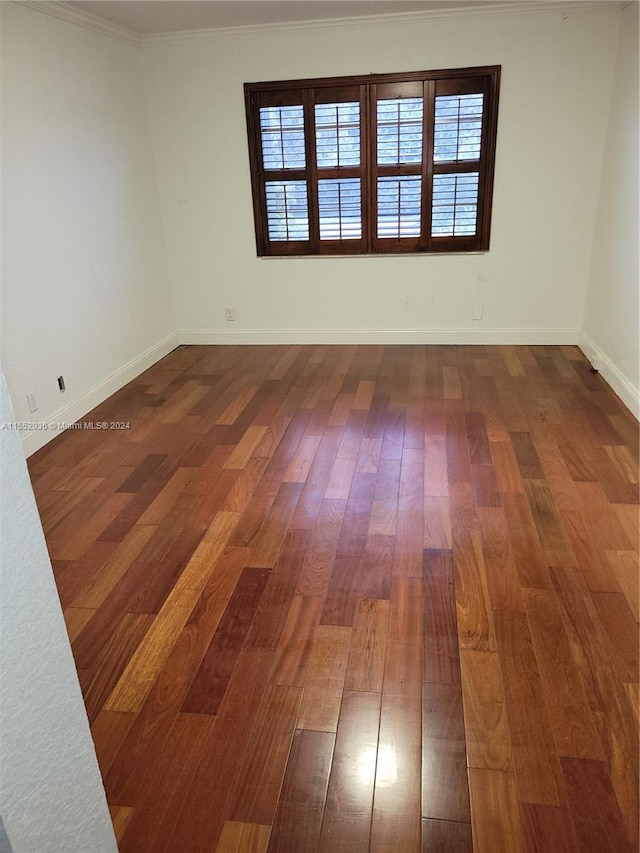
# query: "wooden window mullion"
{"points": [[366, 169], [372, 134], [308, 101], [428, 115]]}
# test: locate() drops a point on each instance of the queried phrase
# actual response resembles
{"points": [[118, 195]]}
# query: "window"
{"points": [[373, 165]]}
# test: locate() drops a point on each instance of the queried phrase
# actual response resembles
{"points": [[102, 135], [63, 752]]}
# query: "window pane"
{"points": [[455, 205], [399, 206], [458, 128], [399, 131], [339, 206], [338, 134], [282, 130], [287, 210]]}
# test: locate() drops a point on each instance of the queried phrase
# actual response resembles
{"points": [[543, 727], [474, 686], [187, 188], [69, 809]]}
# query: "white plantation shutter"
{"points": [[337, 134], [399, 130], [282, 131], [340, 209], [399, 202], [287, 210], [455, 204], [458, 128]]}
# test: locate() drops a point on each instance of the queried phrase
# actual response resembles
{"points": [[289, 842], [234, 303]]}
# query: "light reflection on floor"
{"points": [[387, 766]]}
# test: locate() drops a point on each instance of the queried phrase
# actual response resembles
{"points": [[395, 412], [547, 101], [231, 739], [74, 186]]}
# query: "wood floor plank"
{"points": [[530, 559], [246, 447], [271, 615], [534, 752], [298, 821], [557, 476], [132, 771], [396, 816], [475, 618], [506, 467], [158, 509], [436, 483], [629, 519], [633, 692], [365, 668], [445, 789], [199, 568], [627, 571], [99, 587], [296, 641], [76, 618], [264, 764], [607, 696], [485, 711], [356, 598], [135, 682], [621, 630], [384, 508], [109, 731], [441, 661], [548, 828], [320, 705], [409, 535], [597, 820], [495, 815], [268, 540], [446, 836], [347, 817], [236, 406], [210, 796], [120, 817], [246, 837], [571, 718], [212, 678], [527, 456], [174, 766], [355, 525], [437, 523], [503, 583], [98, 682], [557, 549]]}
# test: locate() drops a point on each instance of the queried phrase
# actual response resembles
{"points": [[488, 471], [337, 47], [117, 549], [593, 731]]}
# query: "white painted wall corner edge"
{"points": [[78, 408], [379, 336], [612, 375]]}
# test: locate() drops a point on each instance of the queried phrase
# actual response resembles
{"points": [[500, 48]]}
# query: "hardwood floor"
{"points": [[356, 598]]}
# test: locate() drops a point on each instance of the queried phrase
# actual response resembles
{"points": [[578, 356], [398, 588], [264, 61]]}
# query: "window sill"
{"points": [[377, 255]]}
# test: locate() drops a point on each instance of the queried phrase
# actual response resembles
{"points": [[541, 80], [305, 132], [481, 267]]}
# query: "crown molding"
{"points": [[64, 12], [391, 19]]}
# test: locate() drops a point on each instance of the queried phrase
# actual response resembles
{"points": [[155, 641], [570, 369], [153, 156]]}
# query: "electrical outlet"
{"points": [[476, 311], [32, 402], [229, 314]]}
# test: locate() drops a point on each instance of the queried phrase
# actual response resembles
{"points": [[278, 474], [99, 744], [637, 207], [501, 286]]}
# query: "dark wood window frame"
{"points": [[367, 91]]}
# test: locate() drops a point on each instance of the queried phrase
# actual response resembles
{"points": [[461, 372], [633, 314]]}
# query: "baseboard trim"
{"points": [[612, 375], [379, 336], [78, 408]]}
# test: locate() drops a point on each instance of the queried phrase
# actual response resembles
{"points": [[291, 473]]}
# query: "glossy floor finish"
{"points": [[356, 598]]}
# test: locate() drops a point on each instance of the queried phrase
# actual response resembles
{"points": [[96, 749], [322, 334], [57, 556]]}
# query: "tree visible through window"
{"points": [[376, 164]]}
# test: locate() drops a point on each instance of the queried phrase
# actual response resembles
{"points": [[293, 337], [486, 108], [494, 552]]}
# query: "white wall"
{"points": [[51, 793], [612, 313], [85, 290], [557, 72]]}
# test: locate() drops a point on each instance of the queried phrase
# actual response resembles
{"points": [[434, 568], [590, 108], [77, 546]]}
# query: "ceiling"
{"points": [[147, 17]]}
